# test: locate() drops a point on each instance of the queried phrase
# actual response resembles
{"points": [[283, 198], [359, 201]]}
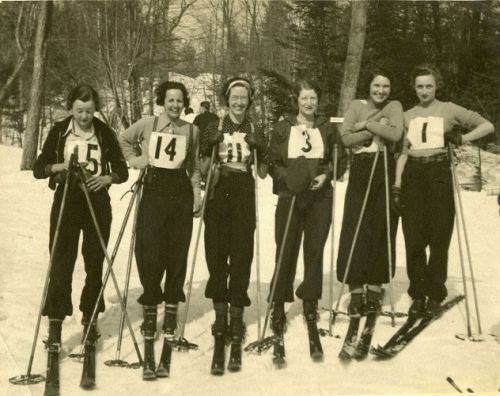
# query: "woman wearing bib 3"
{"points": [[363, 258], [170, 198], [301, 167], [424, 176], [99, 153], [230, 212]]}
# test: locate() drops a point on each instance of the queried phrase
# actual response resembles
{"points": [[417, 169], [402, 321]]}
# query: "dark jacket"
{"points": [[278, 152], [53, 152]]}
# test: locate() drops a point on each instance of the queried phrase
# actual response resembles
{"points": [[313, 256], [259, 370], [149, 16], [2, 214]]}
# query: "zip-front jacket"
{"points": [[112, 160], [280, 161]]}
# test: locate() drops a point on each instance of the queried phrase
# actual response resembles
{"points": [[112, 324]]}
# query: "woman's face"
{"points": [[308, 102], [380, 89], [174, 103], [425, 88], [238, 100], [83, 112]]}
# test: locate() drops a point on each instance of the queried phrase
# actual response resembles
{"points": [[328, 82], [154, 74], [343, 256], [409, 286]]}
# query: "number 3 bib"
{"points": [[305, 142], [167, 150], [88, 151], [426, 133]]}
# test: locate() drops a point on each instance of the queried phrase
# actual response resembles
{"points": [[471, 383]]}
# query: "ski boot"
{"points": [[417, 308], [148, 330], [373, 302], [278, 326], [311, 316], [169, 328], [88, 373], [53, 346], [237, 332], [219, 331]]}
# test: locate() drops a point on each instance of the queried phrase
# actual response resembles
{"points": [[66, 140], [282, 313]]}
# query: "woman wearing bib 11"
{"points": [[301, 166], [230, 213], [171, 196], [368, 125], [425, 179]]}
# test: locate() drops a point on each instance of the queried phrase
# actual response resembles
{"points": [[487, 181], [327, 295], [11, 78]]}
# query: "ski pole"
{"points": [[257, 240], [182, 342], [355, 237], [459, 237], [108, 272], [389, 239], [28, 378], [117, 362], [261, 341]]}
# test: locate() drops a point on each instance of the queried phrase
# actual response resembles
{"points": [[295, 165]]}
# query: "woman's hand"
{"points": [[140, 162], [56, 168], [197, 205], [318, 182], [95, 183], [360, 126]]}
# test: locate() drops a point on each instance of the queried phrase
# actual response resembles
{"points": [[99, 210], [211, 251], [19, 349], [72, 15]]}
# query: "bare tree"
{"points": [[40, 57]]}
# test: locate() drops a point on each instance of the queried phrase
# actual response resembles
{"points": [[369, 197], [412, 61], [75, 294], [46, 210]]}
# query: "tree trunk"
{"points": [[40, 56], [355, 46]]}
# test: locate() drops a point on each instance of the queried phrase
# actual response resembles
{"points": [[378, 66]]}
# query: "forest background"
{"points": [[124, 48]]}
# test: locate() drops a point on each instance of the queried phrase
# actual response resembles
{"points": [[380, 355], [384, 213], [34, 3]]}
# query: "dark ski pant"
{"points": [[164, 228], [229, 238], [313, 221], [427, 215], [369, 262], [77, 218]]}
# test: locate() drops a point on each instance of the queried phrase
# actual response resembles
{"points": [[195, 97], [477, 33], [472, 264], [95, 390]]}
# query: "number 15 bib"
{"points": [[305, 142], [426, 133], [167, 150], [88, 151]]}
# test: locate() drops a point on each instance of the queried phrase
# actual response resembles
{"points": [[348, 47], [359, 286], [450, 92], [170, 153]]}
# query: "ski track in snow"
{"points": [[421, 368]]}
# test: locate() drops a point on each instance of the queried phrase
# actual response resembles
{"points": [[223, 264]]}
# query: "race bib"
{"points": [[167, 150], [88, 151], [305, 142], [234, 149], [426, 133]]}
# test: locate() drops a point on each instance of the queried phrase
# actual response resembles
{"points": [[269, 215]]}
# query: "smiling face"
{"points": [[83, 112], [380, 89], [425, 88], [308, 102], [174, 103], [238, 101]]}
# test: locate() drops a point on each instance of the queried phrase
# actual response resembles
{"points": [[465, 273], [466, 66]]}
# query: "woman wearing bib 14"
{"points": [[99, 150], [368, 125], [424, 176], [171, 196], [230, 213], [301, 166]]}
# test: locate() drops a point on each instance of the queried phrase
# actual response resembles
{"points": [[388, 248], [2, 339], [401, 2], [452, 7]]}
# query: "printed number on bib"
{"points": [[305, 142], [167, 150], [234, 148], [426, 133], [88, 152]]}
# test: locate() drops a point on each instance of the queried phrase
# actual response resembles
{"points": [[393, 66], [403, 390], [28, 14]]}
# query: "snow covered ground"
{"points": [[421, 368]]}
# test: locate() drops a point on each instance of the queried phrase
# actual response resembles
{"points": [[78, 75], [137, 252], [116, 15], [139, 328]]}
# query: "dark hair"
{"points": [[188, 110], [83, 92], [426, 69], [305, 84], [205, 104], [245, 83], [370, 76], [161, 92]]}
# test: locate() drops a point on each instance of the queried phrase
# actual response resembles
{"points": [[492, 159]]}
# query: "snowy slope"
{"points": [[421, 368]]}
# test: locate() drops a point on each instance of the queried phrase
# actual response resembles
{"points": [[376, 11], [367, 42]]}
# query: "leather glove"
{"points": [[255, 142], [215, 138], [453, 138]]}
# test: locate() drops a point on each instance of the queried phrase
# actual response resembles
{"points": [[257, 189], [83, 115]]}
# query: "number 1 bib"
{"points": [[305, 142], [426, 133], [88, 151], [167, 150]]}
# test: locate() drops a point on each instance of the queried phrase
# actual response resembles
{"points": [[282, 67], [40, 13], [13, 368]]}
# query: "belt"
{"points": [[441, 157]]}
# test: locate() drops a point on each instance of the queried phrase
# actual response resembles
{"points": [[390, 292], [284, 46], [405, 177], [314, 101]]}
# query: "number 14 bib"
{"points": [[305, 142], [167, 150], [426, 133]]}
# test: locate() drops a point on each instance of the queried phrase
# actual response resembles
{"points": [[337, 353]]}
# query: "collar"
{"points": [[318, 120], [77, 131]]}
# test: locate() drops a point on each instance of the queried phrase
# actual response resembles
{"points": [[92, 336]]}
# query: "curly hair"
{"points": [[83, 92], [161, 92], [236, 82], [375, 72], [426, 69]]}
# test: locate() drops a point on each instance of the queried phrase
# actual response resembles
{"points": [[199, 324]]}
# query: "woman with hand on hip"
{"points": [[170, 198], [425, 181]]}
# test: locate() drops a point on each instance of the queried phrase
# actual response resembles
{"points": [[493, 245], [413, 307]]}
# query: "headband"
{"points": [[242, 82]]}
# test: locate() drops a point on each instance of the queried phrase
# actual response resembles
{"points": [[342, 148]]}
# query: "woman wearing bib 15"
{"points": [[230, 213], [301, 166], [424, 176], [171, 196], [99, 151], [368, 125]]}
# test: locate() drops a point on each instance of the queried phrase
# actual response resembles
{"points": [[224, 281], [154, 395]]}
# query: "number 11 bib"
{"points": [[426, 133], [167, 150]]}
